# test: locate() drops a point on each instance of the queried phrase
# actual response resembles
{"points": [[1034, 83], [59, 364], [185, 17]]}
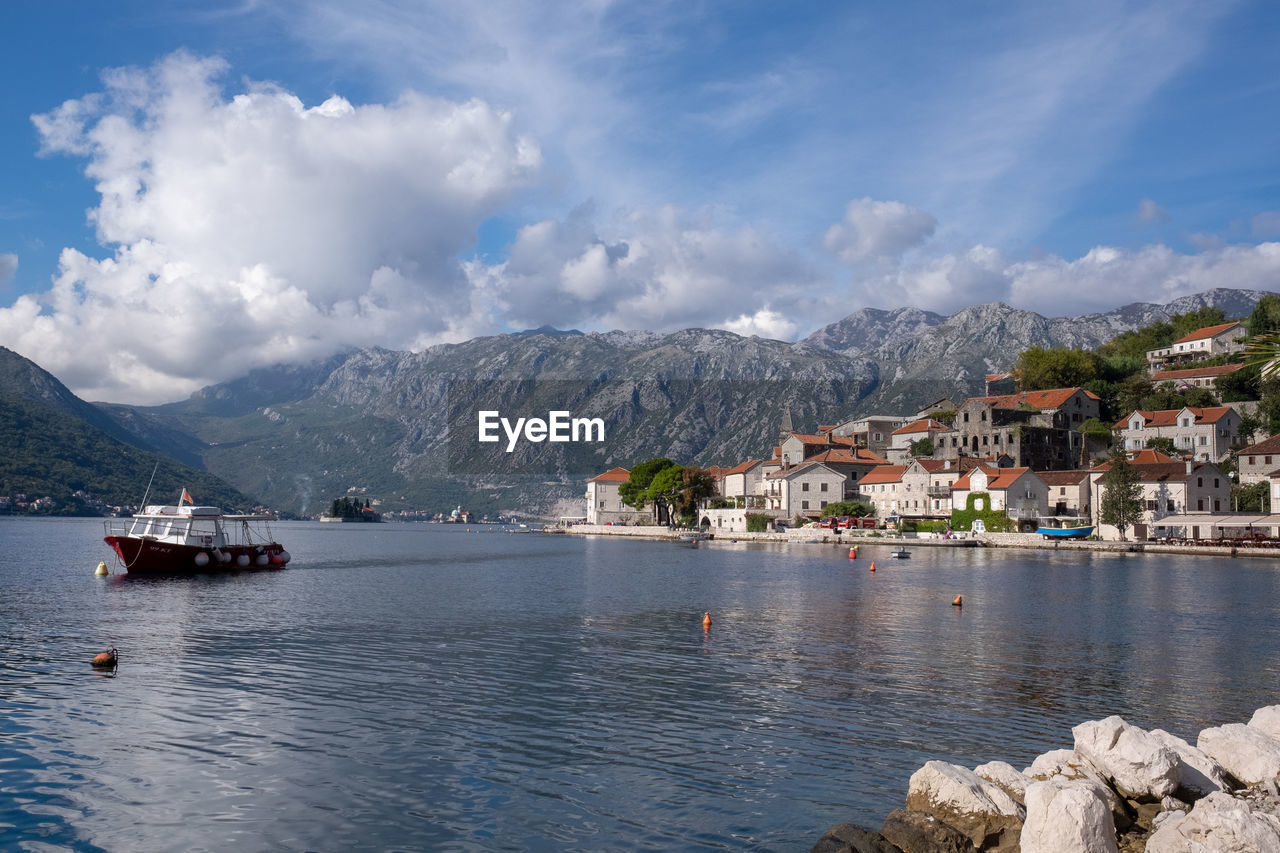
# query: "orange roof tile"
{"points": [[922, 425], [1150, 456], [883, 474], [1175, 375], [1052, 398], [613, 475], [1169, 417], [742, 467], [1206, 332], [1062, 478], [1267, 445]]}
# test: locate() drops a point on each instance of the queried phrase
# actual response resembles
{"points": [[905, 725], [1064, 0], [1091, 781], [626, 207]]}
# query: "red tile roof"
{"points": [[613, 475], [922, 425], [1169, 417], [1052, 398], [1206, 332], [1150, 456], [883, 474], [1267, 445], [1062, 478], [742, 467], [1194, 373], [858, 456]]}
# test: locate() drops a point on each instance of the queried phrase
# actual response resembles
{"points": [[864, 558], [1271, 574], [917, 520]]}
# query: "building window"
{"points": [[1200, 504], [1204, 439], [966, 417], [1151, 506], [1215, 482], [824, 505], [822, 487], [1199, 482], [1252, 461], [1266, 460], [1062, 490], [804, 504], [804, 487], [1217, 504]]}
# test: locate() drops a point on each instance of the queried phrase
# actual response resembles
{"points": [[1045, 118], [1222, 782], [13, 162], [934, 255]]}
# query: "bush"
{"points": [[993, 519], [757, 522]]}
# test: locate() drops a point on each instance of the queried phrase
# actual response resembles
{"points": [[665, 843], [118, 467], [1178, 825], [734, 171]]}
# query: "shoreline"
{"points": [[1026, 541]]}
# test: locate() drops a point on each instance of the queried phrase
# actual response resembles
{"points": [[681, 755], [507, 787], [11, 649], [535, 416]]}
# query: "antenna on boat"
{"points": [[147, 493]]}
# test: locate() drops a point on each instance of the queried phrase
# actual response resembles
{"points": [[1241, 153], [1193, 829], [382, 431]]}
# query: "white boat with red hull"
{"points": [[190, 539]]}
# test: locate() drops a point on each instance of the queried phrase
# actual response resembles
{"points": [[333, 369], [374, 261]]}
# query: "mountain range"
{"points": [[400, 427]]}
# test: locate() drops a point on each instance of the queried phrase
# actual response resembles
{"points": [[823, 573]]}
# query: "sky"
{"points": [[191, 190]]}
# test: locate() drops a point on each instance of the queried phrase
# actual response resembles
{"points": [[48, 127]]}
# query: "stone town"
{"points": [[1019, 454]]}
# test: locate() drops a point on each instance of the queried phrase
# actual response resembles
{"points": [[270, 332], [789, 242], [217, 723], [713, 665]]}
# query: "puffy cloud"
{"points": [[1103, 278], [254, 229], [1149, 211], [765, 323], [659, 270], [8, 268], [874, 230]]}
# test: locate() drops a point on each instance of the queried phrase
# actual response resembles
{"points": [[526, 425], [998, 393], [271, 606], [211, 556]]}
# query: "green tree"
{"points": [[922, 447], [696, 485], [1122, 496], [634, 492], [1254, 497], [663, 491], [857, 509], [1039, 368], [1164, 444], [1265, 317]]}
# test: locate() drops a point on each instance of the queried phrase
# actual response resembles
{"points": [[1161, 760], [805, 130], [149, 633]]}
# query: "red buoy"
{"points": [[873, 565], [853, 553], [706, 621], [105, 659], [958, 602]]}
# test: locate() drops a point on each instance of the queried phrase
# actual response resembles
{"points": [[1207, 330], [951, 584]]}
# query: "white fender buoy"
{"points": [[102, 571], [242, 560], [262, 559], [202, 559]]}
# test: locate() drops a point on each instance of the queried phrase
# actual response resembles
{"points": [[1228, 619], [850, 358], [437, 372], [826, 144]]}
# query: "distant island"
{"points": [[345, 509]]}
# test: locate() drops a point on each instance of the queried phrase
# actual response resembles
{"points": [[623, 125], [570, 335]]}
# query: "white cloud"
{"points": [[877, 230], [1149, 211], [765, 323], [253, 229], [8, 268], [659, 270]]}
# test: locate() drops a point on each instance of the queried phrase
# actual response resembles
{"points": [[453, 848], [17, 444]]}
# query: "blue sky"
{"points": [[192, 190]]}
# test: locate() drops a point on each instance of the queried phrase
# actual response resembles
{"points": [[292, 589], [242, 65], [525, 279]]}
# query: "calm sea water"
{"points": [[414, 687]]}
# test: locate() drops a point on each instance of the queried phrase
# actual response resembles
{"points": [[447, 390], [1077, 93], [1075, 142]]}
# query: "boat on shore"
{"points": [[191, 539], [1064, 527]]}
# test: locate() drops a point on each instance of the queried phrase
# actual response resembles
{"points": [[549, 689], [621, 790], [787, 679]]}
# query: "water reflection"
{"points": [[415, 687]]}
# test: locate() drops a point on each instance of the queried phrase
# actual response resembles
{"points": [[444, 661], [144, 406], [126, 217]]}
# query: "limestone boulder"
{"points": [[851, 838], [1217, 822], [1068, 764], [917, 832], [1067, 814], [1200, 775], [1139, 766], [1267, 720], [1246, 752], [1005, 777], [964, 800]]}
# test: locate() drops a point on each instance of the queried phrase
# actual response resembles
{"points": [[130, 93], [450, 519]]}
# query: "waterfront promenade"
{"points": [[806, 535]]}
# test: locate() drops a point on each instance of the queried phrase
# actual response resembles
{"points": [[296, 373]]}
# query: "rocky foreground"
{"points": [[1120, 790]]}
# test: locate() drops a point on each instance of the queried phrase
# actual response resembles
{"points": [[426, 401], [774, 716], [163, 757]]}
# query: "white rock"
{"points": [[1201, 775], [1218, 822], [1057, 762], [1139, 766], [966, 801], [1068, 764], [1267, 719], [1067, 814], [1005, 776], [1246, 752]]}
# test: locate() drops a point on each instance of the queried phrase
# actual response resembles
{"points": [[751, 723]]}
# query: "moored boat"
{"points": [[189, 539], [1060, 527]]}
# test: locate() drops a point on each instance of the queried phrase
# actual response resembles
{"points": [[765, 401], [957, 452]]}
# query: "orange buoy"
{"points": [[873, 565], [853, 553], [959, 601], [105, 659], [706, 621]]}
